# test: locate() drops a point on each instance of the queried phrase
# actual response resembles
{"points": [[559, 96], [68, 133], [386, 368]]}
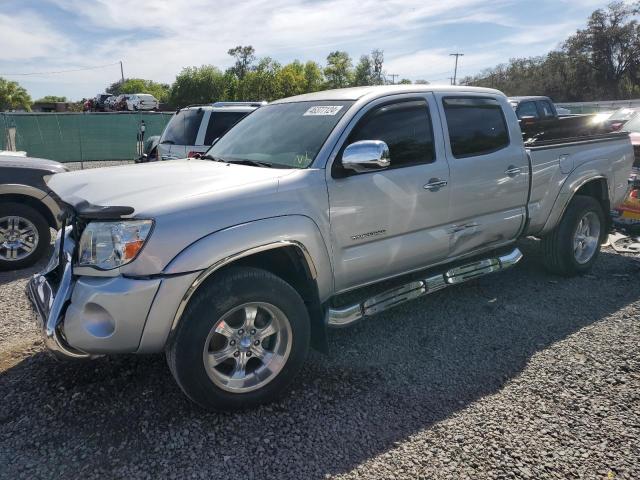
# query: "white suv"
{"points": [[193, 129]]}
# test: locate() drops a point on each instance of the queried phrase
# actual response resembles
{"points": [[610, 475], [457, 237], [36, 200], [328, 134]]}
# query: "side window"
{"points": [[219, 123], [476, 125], [527, 109], [546, 108], [405, 127]]}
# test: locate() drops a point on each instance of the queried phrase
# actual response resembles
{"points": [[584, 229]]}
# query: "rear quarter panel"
{"points": [[558, 171]]}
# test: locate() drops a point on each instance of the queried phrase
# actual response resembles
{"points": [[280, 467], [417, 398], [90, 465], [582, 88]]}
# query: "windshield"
{"points": [[285, 134]]}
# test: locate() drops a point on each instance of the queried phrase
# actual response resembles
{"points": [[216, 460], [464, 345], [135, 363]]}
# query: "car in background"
{"points": [[537, 108], [120, 102], [192, 130], [28, 209], [99, 102], [539, 120], [141, 101], [110, 103]]}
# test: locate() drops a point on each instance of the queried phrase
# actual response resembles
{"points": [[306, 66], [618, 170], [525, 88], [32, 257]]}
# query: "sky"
{"points": [[155, 39]]}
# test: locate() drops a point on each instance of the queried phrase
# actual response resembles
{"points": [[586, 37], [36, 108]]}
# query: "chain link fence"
{"points": [[79, 137]]}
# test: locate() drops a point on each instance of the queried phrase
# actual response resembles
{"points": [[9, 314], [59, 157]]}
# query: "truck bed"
{"points": [[553, 162]]}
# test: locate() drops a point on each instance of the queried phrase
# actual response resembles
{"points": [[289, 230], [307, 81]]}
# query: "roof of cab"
{"points": [[519, 99], [355, 93]]}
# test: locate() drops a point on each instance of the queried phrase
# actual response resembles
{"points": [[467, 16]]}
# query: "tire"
{"points": [[561, 256], [225, 303], [39, 236]]}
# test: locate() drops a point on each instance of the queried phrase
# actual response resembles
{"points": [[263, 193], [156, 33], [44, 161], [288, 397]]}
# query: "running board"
{"points": [[341, 317]]}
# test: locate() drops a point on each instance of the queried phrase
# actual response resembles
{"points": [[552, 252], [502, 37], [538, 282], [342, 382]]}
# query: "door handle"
{"points": [[512, 171], [435, 184]]}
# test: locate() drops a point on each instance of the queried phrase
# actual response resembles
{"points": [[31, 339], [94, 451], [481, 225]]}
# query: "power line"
{"points": [[61, 71]]}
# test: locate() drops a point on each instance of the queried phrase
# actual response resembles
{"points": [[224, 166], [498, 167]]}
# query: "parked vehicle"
{"points": [[28, 209], [110, 103], [539, 120], [141, 101], [193, 129], [236, 262], [99, 102]]}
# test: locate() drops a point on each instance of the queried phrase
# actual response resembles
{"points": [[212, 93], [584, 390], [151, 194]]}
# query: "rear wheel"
{"points": [[573, 246], [242, 339], [24, 236]]}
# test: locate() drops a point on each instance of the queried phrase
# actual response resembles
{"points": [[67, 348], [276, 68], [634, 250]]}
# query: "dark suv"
{"points": [[27, 209]]}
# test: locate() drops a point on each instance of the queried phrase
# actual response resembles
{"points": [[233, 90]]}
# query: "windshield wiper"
{"points": [[245, 161], [239, 161], [211, 157]]}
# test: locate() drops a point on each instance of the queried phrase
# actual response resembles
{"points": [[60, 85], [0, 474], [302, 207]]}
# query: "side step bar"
{"points": [[341, 317]]}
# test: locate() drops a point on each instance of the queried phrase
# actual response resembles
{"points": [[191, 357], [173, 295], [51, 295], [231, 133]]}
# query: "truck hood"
{"points": [[155, 188]]}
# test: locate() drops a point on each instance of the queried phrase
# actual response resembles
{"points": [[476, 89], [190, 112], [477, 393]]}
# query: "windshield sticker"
{"points": [[323, 110]]}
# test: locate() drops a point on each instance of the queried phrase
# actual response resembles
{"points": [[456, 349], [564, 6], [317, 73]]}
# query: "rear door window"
{"points": [[183, 127], [527, 109], [476, 125], [219, 123], [546, 108]]}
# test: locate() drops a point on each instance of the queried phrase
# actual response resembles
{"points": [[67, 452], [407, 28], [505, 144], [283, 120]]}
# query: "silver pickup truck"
{"points": [[236, 263]]}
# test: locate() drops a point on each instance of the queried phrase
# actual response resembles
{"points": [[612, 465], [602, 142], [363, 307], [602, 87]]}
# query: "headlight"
{"points": [[109, 245]]}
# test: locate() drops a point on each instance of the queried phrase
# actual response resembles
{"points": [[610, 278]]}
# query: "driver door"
{"points": [[391, 221]]}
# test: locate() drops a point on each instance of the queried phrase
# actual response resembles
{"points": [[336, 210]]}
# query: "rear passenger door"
{"points": [[489, 171]]}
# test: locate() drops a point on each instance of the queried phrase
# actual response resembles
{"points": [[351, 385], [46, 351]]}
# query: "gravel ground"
{"points": [[516, 375], [102, 163]]}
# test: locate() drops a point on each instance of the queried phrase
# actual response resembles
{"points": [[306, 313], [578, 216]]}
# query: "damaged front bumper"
{"points": [[87, 316], [50, 291]]}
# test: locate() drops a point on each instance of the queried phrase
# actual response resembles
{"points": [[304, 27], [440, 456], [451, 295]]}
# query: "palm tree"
{"points": [[13, 96]]}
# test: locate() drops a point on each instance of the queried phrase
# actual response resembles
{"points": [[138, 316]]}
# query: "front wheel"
{"points": [[241, 340], [24, 236], [573, 246]]}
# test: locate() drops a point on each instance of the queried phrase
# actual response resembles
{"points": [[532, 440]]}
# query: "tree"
{"points": [[599, 62], [421, 82], [140, 85], [51, 98], [339, 70], [364, 73], [404, 81], [313, 77], [377, 57], [13, 96], [291, 79], [244, 57], [261, 82], [194, 85], [610, 45]]}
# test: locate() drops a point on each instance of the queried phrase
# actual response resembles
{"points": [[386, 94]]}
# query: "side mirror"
{"points": [[366, 156]]}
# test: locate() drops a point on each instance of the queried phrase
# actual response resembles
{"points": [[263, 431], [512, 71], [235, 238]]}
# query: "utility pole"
{"points": [[450, 80], [393, 77], [121, 72], [455, 71]]}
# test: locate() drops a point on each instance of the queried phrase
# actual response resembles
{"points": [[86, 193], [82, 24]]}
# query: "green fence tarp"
{"points": [[76, 137]]}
